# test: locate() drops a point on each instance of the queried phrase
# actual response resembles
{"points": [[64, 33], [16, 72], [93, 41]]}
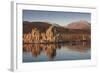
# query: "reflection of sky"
{"points": [[62, 18]]}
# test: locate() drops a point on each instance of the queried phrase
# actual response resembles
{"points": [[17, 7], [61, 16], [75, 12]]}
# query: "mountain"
{"points": [[79, 25], [41, 26], [74, 27], [28, 26], [57, 25]]}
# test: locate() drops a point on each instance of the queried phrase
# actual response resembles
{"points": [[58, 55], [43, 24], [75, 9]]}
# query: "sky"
{"points": [[61, 18]]}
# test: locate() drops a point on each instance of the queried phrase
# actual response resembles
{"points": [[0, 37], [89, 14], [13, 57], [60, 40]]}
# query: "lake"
{"points": [[56, 52]]}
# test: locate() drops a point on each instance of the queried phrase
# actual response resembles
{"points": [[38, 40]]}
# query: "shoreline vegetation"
{"points": [[44, 32]]}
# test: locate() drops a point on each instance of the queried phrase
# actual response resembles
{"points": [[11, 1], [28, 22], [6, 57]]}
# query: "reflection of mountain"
{"points": [[51, 49], [44, 32]]}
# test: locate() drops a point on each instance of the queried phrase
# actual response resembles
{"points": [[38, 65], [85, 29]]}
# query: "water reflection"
{"points": [[45, 52]]}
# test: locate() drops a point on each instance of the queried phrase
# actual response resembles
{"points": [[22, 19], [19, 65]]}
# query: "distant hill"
{"points": [[79, 25]]}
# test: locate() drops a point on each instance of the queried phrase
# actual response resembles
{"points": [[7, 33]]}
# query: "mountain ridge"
{"points": [[74, 27]]}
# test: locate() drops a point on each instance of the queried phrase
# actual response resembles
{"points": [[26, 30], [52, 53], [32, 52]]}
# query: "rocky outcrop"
{"points": [[27, 38], [37, 36]]}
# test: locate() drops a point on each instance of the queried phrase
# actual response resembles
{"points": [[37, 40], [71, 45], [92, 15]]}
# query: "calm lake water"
{"points": [[56, 52]]}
